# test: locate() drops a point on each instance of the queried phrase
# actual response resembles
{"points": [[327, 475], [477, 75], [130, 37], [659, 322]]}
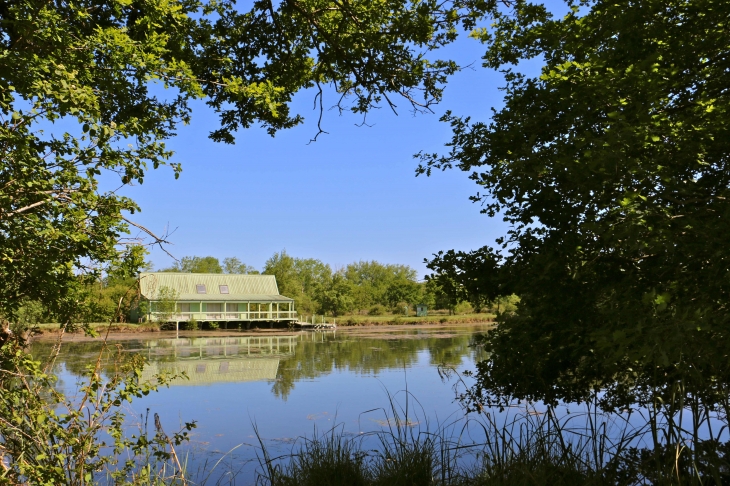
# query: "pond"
{"points": [[286, 384]]}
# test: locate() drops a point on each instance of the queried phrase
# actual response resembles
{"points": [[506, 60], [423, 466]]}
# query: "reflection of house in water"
{"points": [[216, 360]]}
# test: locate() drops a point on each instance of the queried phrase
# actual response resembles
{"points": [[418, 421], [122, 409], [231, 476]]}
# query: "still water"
{"points": [[287, 384]]}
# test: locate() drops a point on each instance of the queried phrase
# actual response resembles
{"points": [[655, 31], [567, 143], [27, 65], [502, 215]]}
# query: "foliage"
{"points": [[236, 266], [99, 299], [463, 307], [335, 295], [316, 288], [91, 93], [29, 313], [472, 276], [378, 283], [192, 324], [102, 298], [47, 438], [327, 460], [195, 264], [166, 304], [377, 310], [402, 290], [313, 285], [298, 278], [611, 166], [526, 446]]}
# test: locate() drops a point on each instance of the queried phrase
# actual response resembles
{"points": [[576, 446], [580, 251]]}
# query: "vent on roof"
{"points": [[223, 289], [200, 288]]}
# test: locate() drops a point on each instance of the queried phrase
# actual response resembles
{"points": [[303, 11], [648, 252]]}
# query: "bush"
{"points": [[400, 308], [31, 312], [192, 324], [377, 310], [213, 325], [463, 308]]}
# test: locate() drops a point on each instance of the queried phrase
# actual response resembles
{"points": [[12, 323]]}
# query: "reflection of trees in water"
{"points": [[312, 357], [364, 355], [76, 357]]}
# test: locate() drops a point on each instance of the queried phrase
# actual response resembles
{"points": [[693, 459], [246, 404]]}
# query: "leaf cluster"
{"points": [[611, 167]]}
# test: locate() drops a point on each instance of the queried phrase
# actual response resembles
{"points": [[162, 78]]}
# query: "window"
{"points": [[223, 289], [200, 288]]}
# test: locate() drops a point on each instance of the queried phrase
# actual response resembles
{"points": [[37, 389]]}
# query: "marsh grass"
{"points": [[520, 446]]}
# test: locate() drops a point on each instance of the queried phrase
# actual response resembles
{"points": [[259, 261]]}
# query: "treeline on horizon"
{"points": [[363, 287]]}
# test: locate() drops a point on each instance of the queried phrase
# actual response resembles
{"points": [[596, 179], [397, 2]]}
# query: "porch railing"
{"points": [[228, 316]]}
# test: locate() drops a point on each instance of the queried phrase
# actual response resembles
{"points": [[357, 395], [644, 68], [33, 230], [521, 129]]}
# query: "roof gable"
{"points": [[185, 283]]}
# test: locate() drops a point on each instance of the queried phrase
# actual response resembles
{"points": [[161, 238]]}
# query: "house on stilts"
{"points": [[213, 297]]}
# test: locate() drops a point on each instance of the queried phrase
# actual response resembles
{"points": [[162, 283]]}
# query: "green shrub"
{"points": [[400, 308], [377, 310], [463, 308], [192, 324], [31, 312]]}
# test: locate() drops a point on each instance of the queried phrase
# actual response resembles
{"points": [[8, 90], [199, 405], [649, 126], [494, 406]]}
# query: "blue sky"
{"points": [[350, 196]]}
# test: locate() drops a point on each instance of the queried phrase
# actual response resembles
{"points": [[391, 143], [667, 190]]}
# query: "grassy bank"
{"points": [[361, 320], [53, 328]]}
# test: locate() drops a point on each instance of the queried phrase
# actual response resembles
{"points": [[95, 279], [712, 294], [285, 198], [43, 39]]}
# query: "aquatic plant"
{"points": [[523, 444]]}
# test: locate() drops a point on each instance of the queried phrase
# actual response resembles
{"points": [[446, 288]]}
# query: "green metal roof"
{"points": [[232, 298], [240, 287]]}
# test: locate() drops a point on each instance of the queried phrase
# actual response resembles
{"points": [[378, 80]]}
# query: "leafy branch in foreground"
{"points": [[48, 438], [91, 92], [611, 167]]}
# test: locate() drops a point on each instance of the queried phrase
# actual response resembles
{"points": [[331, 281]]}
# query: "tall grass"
{"points": [[520, 446]]}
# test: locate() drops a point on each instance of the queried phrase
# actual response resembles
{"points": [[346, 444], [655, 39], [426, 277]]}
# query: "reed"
{"points": [[520, 446]]}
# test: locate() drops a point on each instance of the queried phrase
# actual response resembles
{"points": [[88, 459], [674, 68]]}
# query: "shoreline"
{"points": [[119, 332]]}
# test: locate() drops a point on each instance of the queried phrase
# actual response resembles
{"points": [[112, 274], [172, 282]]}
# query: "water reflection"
{"points": [[204, 361], [281, 359], [285, 383], [323, 353]]}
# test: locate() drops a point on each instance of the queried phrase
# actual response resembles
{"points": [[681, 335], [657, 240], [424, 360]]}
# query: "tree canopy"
{"points": [[90, 91], [611, 166]]}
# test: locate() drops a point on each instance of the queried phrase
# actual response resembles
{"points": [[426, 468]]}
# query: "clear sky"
{"points": [[350, 196]]}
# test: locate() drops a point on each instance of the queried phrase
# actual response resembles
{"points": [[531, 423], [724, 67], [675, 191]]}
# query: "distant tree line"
{"points": [[361, 287]]}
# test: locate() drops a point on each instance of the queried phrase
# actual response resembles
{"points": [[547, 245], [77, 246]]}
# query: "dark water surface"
{"points": [[287, 383]]}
